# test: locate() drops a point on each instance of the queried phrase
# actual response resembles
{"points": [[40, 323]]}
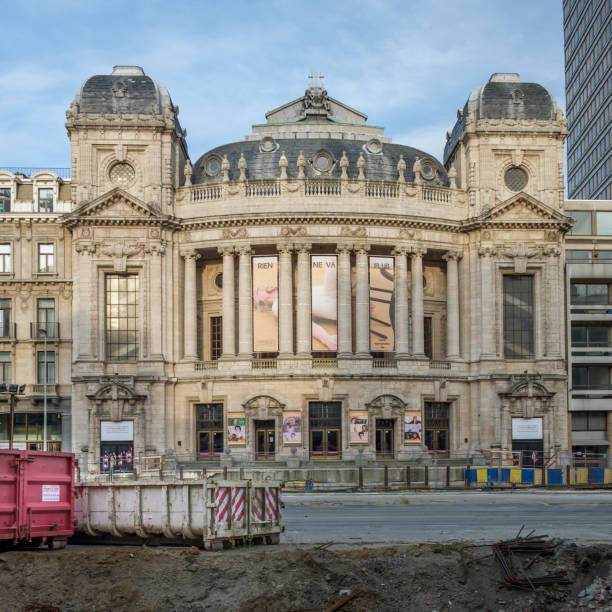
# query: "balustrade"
{"points": [[263, 190]]}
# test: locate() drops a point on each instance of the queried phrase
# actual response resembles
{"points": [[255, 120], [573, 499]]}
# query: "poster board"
{"points": [[359, 427], [324, 295], [265, 304], [292, 427], [236, 429], [413, 427], [382, 304]]}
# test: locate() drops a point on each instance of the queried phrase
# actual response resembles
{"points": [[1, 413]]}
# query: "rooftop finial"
{"points": [[315, 80]]}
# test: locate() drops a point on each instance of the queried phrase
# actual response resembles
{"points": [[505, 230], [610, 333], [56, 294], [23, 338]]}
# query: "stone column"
{"points": [[229, 304], [362, 303], [402, 349], [554, 312], [609, 437], [245, 304], [487, 303], [190, 321], [452, 305], [418, 323], [285, 301], [304, 324], [345, 315], [156, 304]]}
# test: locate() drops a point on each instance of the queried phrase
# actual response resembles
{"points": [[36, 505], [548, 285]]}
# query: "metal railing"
{"points": [[37, 330], [324, 362], [8, 331], [63, 173]]}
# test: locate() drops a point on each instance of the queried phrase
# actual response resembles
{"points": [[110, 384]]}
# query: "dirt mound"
{"points": [[280, 578]]}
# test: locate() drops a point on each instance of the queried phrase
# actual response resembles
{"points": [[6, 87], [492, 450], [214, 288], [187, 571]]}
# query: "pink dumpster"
{"points": [[36, 497]]}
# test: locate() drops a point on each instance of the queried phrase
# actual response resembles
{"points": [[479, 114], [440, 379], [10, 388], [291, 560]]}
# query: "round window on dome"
{"points": [[323, 161], [267, 145], [515, 179], [428, 169], [212, 165], [374, 146], [122, 174]]}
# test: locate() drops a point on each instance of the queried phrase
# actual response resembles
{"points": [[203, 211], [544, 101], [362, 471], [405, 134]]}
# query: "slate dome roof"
{"points": [[505, 96], [127, 90], [319, 153]]}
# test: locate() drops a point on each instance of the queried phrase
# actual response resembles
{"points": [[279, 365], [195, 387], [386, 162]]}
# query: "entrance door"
{"points": [[265, 439], [325, 430], [384, 437], [532, 452], [210, 429], [437, 426], [210, 443]]}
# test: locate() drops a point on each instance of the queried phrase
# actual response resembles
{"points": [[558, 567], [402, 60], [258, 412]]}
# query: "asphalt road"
{"points": [[367, 518]]}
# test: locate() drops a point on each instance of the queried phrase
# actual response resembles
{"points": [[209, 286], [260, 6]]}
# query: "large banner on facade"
{"points": [[236, 428], [265, 304], [292, 427], [413, 427], [358, 433], [324, 302], [382, 304]]}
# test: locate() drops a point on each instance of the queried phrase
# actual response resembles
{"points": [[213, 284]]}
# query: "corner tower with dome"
{"points": [[315, 292]]}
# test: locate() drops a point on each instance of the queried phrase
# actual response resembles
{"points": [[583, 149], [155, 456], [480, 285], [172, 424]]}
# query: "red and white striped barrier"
{"points": [[237, 504], [272, 504], [258, 503], [221, 505]]}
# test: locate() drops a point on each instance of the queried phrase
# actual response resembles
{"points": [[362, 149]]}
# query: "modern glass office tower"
{"points": [[588, 87]]}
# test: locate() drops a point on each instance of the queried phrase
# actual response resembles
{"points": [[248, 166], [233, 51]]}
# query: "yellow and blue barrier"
{"points": [[533, 476]]}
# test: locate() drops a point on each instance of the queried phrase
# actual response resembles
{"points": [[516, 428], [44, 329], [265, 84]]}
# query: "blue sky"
{"points": [[408, 65]]}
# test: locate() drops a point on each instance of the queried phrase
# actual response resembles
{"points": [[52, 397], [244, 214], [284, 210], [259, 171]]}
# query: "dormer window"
{"points": [[5, 200], [45, 200]]}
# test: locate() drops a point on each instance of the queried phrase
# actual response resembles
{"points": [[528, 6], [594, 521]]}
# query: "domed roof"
{"points": [[322, 157], [127, 90], [505, 96]]}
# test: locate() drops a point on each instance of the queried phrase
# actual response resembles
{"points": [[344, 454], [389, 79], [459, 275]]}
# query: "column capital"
{"points": [[304, 247], [344, 248], [418, 251], [551, 251], [191, 254], [362, 249], [401, 250], [244, 249], [284, 249], [452, 256], [226, 250], [487, 251]]}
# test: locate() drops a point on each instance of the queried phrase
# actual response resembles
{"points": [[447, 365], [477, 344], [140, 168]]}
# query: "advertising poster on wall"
{"points": [[382, 304], [265, 304], [359, 427], [324, 303], [292, 427], [236, 428], [413, 427]]}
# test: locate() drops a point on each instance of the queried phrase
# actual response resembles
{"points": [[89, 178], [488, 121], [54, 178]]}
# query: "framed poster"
{"points": [[265, 304], [236, 429], [324, 289], [413, 427], [527, 429], [359, 427], [382, 304], [292, 427], [116, 431]]}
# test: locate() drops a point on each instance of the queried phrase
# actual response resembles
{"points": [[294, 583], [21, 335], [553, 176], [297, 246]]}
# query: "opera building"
{"points": [[314, 292]]}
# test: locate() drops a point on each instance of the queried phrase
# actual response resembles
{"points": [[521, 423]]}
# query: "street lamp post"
{"points": [[44, 333]]}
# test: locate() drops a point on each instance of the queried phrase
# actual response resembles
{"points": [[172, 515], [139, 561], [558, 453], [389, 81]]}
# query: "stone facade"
{"points": [[312, 184]]}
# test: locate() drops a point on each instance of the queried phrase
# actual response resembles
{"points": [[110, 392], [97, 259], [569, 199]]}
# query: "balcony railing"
{"points": [[436, 364], [203, 194], [200, 366], [264, 364], [40, 389], [323, 188], [38, 330], [385, 362], [263, 190], [8, 331], [319, 363], [63, 173]]}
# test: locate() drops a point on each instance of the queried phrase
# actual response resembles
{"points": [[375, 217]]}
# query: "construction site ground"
{"points": [[429, 576]]}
